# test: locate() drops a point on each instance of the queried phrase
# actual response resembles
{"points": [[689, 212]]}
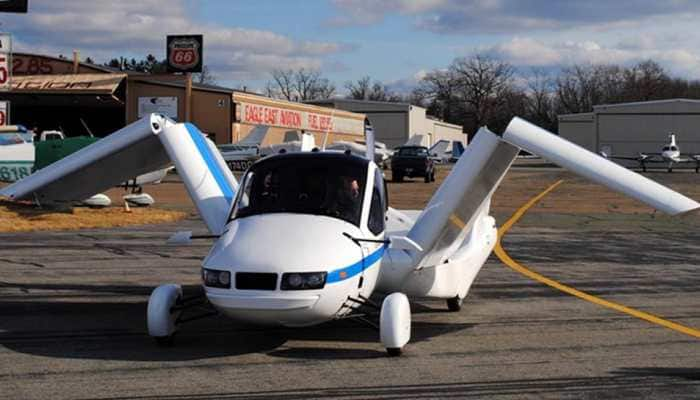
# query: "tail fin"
{"points": [[308, 142], [457, 149], [451, 213]]}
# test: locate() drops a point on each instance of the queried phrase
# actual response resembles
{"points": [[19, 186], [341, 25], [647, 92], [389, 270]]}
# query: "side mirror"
{"points": [[403, 243]]}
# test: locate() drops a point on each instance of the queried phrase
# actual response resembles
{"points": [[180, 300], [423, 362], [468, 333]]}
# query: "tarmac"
{"points": [[73, 306]]}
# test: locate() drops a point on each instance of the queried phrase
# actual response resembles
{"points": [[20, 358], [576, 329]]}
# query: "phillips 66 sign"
{"points": [[184, 53]]}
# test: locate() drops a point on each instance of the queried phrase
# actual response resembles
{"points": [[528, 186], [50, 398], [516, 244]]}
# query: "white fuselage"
{"points": [[287, 243], [16, 156]]}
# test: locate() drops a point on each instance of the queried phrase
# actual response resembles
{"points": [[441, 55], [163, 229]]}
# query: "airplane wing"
{"points": [[141, 147], [464, 197], [624, 158], [255, 137]]}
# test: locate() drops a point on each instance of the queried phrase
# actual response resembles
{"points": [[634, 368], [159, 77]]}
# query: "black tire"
{"points": [[396, 176], [432, 176], [427, 177], [393, 351], [455, 304]]}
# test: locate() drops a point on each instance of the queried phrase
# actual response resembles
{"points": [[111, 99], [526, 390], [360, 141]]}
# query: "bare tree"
{"points": [[540, 103], [364, 89], [299, 85], [646, 81], [438, 91], [359, 90], [482, 82], [205, 77]]}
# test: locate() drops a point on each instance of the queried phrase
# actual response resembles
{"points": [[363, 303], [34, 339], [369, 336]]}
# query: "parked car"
{"points": [[412, 161]]}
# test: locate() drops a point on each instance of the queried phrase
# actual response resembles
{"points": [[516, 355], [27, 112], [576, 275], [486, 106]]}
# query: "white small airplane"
{"points": [[17, 153], [241, 155], [308, 237], [670, 154]]}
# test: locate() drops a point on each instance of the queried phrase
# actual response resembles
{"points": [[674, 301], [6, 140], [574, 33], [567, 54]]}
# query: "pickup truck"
{"points": [[412, 161]]}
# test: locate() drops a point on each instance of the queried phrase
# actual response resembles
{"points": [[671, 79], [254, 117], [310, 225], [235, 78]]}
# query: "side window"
{"points": [[376, 214], [375, 222]]}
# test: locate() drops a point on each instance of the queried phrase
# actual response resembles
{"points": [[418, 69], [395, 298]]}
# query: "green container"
{"points": [[50, 151]]}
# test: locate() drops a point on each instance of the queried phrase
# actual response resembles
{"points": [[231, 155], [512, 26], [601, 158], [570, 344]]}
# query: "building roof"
{"points": [[647, 103], [668, 106], [154, 80], [365, 106], [98, 84]]}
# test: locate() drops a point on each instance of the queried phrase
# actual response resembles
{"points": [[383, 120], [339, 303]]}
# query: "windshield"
{"points": [[15, 138], [331, 187], [413, 151]]}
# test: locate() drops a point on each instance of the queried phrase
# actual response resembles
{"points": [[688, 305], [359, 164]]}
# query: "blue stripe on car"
{"points": [[348, 272], [209, 159]]}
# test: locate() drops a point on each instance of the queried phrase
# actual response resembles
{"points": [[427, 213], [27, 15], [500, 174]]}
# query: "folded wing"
{"points": [[144, 146]]}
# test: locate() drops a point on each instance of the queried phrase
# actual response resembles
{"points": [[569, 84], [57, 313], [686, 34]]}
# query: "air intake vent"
{"points": [[255, 281]]}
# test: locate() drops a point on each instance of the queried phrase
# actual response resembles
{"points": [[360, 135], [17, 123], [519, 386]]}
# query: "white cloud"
{"points": [[523, 51], [104, 29]]}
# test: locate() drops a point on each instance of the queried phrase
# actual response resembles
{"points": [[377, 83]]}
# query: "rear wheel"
{"points": [[427, 177], [396, 176], [455, 304]]}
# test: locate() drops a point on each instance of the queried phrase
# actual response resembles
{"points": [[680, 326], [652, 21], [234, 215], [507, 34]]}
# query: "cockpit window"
{"points": [[306, 186], [413, 151], [666, 148], [674, 148]]}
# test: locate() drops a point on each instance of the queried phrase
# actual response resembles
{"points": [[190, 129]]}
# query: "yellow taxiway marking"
{"points": [[505, 258]]}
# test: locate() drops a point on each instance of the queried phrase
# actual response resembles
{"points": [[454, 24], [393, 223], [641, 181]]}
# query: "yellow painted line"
{"points": [[505, 258], [457, 221]]}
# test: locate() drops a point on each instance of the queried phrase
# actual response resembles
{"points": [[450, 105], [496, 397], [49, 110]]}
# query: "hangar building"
{"points": [[395, 123], [628, 129], [77, 98]]}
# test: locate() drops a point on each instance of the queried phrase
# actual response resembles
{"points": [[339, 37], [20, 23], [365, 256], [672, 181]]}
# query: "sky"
{"points": [[393, 41]]}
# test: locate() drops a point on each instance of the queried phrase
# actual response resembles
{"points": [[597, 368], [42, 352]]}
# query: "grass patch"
{"points": [[22, 217]]}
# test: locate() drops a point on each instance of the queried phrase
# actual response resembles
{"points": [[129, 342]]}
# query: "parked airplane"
{"points": [[670, 154], [309, 237], [16, 153], [444, 151], [381, 153], [242, 154]]}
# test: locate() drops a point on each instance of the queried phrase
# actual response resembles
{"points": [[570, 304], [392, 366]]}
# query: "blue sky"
{"points": [[395, 41]]}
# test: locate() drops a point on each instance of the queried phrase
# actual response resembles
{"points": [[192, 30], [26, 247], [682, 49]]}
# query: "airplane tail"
{"points": [[141, 147], [457, 149], [308, 142], [464, 197]]}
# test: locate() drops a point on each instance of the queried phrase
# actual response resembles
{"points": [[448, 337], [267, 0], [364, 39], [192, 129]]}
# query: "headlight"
{"points": [[303, 281], [216, 278]]}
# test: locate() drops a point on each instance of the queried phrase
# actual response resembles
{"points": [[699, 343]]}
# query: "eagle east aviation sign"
{"points": [[184, 53]]}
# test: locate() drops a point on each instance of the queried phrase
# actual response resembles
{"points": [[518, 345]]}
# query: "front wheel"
{"points": [[455, 304], [396, 176], [161, 317], [395, 323]]}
